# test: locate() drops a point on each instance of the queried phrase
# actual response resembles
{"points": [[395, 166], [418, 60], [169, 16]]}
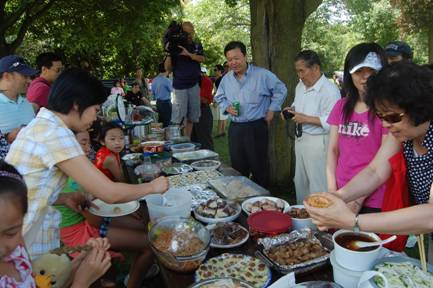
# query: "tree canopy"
{"points": [[114, 36], [226, 22]]}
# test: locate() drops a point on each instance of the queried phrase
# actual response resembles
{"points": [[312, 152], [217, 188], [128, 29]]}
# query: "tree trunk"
{"points": [[276, 31], [430, 44], [4, 47]]}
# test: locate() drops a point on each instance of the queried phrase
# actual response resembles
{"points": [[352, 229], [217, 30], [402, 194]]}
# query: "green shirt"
{"points": [[69, 216]]}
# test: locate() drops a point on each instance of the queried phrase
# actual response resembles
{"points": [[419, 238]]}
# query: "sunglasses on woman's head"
{"points": [[390, 118]]}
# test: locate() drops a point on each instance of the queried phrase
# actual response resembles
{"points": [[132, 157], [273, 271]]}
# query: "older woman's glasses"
{"points": [[390, 118]]}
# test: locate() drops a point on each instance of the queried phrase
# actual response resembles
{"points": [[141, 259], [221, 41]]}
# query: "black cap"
{"points": [[397, 48]]}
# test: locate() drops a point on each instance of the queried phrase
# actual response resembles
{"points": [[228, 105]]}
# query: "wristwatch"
{"points": [[356, 226]]}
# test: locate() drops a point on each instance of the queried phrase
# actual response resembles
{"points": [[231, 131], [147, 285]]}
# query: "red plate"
{"points": [[270, 222]]}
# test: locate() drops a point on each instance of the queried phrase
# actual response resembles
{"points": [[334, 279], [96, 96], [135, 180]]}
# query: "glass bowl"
{"points": [[180, 244], [182, 147], [206, 165]]}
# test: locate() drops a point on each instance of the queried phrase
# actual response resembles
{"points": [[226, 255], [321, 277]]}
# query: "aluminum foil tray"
{"points": [[324, 239], [195, 155], [237, 188]]}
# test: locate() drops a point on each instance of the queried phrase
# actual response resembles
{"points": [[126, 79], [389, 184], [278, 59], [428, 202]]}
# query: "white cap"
{"points": [[203, 70], [372, 61]]}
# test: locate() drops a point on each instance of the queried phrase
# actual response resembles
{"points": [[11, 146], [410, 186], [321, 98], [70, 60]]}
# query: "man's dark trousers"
{"points": [[164, 111], [248, 144]]}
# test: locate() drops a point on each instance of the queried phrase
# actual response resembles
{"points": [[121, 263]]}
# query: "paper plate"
{"points": [[259, 198], [113, 210]]}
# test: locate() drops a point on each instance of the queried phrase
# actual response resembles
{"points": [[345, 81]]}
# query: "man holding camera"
{"points": [[315, 96], [185, 65], [250, 95]]}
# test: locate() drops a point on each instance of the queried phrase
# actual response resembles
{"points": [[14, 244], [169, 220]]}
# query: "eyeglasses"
{"points": [[390, 118]]}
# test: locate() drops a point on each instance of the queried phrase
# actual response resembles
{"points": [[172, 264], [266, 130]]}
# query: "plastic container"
{"points": [[171, 203], [147, 171], [301, 223], [153, 146], [268, 224], [182, 147], [180, 244]]}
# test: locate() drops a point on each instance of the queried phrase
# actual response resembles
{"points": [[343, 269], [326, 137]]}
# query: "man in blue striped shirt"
{"points": [[260, 94], [161, 89], [15, 110]]}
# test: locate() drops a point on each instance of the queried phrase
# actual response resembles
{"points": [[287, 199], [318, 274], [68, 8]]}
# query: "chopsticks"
{"points": [[420, 240]]}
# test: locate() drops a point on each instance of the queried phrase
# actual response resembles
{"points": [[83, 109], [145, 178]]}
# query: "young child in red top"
{"points": [[107, 158]]}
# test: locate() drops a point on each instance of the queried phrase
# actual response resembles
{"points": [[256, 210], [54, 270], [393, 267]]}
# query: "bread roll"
{"points": [[318, 201]]}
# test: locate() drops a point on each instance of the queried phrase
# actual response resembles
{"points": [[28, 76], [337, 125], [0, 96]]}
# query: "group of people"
{"points": [[347, 146], [49, 151], [344, 146]]}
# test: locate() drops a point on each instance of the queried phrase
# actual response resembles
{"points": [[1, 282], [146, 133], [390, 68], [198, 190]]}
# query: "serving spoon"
{"points": [[361, 244]]}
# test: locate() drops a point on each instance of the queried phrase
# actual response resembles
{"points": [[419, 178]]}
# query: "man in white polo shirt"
{"points": [[315, 96], [15, 110]]}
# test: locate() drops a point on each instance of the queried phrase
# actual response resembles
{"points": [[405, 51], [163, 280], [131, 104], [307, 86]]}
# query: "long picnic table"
{"points": [[172, 279]]}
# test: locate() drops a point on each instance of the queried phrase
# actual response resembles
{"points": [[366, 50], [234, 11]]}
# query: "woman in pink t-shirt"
{"points": [[355, 134]]}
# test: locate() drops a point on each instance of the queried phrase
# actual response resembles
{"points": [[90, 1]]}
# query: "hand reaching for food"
{"points": [[159, 185], [329, 211]]}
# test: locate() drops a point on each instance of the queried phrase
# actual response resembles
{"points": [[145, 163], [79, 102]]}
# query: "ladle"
{"points": [[362, 244]]}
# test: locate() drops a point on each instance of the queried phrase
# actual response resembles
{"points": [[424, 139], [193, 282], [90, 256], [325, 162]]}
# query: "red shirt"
{"points": [[206, 87], [101, 155], [38, 91]]}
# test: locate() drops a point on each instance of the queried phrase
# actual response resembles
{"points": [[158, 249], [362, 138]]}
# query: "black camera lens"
{"points": [[287, 115]]}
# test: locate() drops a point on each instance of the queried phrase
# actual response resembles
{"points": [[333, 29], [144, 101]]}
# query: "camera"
{"points": [[287, 115], [175, 36]]}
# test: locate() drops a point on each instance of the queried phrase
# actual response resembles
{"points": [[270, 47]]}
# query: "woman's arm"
{"points": [[112, 165], [412, 220], [372, 176], [168, 65], [331, 160], [96, 183]]}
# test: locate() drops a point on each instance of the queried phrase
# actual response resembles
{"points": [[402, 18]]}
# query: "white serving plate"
{"points": [[210, 227], [108, 210], [216, 220], [258, 198]]}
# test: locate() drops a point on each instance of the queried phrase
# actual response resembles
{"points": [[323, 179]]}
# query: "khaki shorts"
{"points": [[186, 104]]}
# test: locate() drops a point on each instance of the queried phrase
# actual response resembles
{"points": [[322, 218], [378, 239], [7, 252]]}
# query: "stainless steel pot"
{"points": [[172, 131]]}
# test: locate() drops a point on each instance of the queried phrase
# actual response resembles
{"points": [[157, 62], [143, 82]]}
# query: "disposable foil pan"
{"points": [[267, 243]]}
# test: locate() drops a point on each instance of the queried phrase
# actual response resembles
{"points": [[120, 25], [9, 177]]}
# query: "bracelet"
{"points": [[356, 226]]}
